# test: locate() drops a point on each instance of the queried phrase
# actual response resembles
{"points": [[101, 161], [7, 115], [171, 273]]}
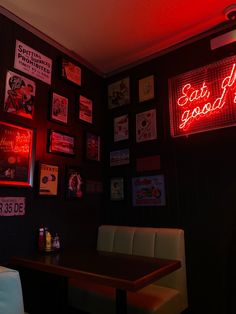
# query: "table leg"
{"points": [[121, 301]]}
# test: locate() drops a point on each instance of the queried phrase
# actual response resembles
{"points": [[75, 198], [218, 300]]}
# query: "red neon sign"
{"points": [[203, 99]]}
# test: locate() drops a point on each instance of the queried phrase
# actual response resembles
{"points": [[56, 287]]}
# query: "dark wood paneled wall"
{"points": [[70, 218], [200, 177]]}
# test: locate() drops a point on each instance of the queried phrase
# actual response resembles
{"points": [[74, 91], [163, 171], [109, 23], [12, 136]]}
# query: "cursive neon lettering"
{"points": [[189, 96]]}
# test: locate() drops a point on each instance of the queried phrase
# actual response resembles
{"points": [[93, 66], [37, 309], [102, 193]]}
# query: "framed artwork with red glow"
{"points": [[92, 149], [119, 93], [61, 143], [19, 95], [85, 109], [146, 88], [74, 183], [48, 179], [71, 72], [59, 108], [203, 99], [16, 155]]}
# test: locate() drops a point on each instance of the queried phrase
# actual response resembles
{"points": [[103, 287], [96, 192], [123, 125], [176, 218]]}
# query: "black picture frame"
{"points": [[75, 183], [17, 151], [61, 143], [92, 147], [48, 179]]}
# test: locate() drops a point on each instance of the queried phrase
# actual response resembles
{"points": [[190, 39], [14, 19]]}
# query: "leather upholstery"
{"points": [[11, 299], [166, 296]]}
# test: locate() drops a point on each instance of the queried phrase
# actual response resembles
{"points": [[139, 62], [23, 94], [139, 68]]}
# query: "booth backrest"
{"points": [[165, 243], [11, 299]]}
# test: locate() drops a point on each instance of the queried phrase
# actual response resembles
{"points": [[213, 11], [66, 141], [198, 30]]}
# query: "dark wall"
{"points": [[70, 218], [200, 179]]}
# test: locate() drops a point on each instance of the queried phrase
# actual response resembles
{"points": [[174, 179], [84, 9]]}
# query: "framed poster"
{"points": [[148, 191], [59, 108], [32, 62], [146, 88], [19, 95], [85, 109], [119, 157], [71, 72], [121, 128], [119, 93], [16, 155], [117, 189], [61, 143], [92, 147], [48, 179], [74, 183], [146, 126]]}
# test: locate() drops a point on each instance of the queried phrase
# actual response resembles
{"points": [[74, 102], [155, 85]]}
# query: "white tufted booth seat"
{"points": [[11, 299], [166, 296]]}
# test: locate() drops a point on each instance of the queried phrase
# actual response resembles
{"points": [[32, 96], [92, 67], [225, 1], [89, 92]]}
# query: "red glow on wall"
{"points": [[203, 99]]}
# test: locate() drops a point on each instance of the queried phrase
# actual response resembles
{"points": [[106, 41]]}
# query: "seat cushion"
{"points": [[11, 299], [98, 299]]}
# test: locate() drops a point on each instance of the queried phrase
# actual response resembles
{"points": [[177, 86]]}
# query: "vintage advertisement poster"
{"points": [[61, 143], [121, 128], [59, 108], [48, 182], [149, 191], [32, 62], [16, 145], [146, 88], [85, 109], [19, 95], [119, 157], [146, 126], [117, 189], [71, 72], [118, 93], [75, 183], [92, 147]]}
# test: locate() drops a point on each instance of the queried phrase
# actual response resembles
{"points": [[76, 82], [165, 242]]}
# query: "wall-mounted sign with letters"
{"points": [[33, 62], [12, 206], [203, 99]]}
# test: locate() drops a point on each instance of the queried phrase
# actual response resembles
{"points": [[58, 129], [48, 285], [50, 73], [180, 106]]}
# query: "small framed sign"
{"points": [[117, 189], [59, 108], [85, 109], [92, 147], [61, 143], [121, 128], [71, 72], [48, 179], [74, 183], [19, 95], [12, 206], [146, 88], [149, 191]]}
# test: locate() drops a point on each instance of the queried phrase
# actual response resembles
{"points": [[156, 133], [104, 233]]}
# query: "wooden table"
{"points": [[120, 271]]}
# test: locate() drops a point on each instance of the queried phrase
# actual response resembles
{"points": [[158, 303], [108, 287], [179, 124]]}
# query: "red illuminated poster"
{"points": [[203, 99], [15, 155]]}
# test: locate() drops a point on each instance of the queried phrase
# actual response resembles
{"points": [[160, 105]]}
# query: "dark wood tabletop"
{"points": [[121, 271]]}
